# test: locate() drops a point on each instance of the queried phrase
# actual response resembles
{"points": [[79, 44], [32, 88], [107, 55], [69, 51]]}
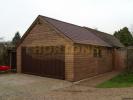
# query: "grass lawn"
{"points": [[122, 80]]}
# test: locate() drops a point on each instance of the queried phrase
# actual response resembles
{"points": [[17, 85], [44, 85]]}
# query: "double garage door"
{"points": [[44, 61]]}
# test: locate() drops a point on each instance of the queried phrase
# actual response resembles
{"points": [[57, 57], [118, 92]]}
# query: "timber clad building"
{"points": [[57, 49]]}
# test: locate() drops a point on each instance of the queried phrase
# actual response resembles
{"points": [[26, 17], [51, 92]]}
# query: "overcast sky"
{"points": [[106, 15]]}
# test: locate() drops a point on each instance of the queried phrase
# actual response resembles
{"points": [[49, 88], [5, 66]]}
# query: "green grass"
{"points": [[122, 80]]}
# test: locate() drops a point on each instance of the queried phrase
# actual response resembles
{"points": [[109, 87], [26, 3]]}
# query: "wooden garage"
{"points": [[42, 63], [57, 49]]}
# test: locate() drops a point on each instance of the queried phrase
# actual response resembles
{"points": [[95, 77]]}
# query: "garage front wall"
{"points": [[44, 34]]}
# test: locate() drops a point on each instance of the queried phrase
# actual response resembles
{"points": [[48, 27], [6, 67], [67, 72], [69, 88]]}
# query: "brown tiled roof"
{"points": [[110, 39], [76, 33], [79, 34]]}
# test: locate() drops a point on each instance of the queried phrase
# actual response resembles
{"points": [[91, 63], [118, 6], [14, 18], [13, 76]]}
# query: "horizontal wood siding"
{"points": [[43, 34], [86, 65]]}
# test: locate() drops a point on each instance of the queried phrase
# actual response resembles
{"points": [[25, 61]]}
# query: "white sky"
{"points": [[106, 15]]}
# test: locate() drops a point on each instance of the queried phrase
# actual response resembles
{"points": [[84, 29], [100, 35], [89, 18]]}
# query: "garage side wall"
{"points": [[43, 34], [86, 65], [120, 58]]}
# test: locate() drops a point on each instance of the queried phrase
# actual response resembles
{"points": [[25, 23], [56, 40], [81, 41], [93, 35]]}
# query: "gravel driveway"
{"points": [[30, 87], [78, 92], [27, 87], [85, 90]]}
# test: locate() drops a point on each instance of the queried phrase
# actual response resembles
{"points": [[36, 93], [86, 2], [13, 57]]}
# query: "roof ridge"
{"points": [[83, 34], [60, 21]]}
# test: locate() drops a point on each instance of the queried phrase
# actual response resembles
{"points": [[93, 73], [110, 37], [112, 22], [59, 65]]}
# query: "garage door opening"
{"points": [[46, 61]]}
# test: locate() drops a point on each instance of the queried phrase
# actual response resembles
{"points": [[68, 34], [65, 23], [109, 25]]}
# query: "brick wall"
{"points": [[46, 35], [86, 65]]}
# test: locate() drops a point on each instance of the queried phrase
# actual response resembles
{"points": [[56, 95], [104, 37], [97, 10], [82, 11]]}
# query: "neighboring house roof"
{"points": [[1, 47], [129, 47], [2, 44], [80, 34], [8, 43]]}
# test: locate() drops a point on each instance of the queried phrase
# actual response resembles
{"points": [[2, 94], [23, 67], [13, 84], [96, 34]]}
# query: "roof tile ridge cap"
{"points": [[60, 21]]}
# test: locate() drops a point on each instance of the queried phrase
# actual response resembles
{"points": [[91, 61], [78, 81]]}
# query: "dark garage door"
{"points": [[44, 61]]}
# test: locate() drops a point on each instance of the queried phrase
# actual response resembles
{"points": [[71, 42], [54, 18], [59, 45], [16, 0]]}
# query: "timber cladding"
{"points": [[86, 64], [43, 64], [45, 50], [61, 50], [40, 38]]}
